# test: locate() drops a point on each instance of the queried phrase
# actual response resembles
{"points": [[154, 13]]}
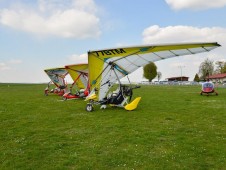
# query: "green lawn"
{"points": [[172, 128]]}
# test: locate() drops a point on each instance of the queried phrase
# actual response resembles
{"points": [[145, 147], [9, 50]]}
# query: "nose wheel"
{"points": [[89, 107]]}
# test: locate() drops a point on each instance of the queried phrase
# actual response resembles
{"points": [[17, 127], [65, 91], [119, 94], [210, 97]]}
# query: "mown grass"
{"points": [[172, 128]]}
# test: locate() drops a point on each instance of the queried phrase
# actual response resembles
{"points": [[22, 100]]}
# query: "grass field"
{"points": [[172, 128]]}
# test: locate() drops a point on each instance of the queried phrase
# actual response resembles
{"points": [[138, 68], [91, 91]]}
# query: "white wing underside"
{"points": [[132, 62]]}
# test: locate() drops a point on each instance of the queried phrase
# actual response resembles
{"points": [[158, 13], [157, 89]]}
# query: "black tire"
{"points": [[89, 107], [64, 98]]}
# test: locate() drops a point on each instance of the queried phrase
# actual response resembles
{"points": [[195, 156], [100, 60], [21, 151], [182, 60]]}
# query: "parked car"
{"points": [[163, 82]]}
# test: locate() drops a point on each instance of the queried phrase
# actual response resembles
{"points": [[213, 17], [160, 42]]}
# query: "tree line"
{"points": [[207, 68]]}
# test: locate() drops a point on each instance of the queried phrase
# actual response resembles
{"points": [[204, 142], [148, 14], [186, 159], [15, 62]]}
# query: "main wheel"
{"points": [[89, 107], [64, 98]]}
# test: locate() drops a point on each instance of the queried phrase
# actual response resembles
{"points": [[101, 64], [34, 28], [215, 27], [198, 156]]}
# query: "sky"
{"points": [[40, 34]]}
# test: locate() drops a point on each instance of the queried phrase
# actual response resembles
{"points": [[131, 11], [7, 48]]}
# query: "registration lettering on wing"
{"points": [[110, 52]]}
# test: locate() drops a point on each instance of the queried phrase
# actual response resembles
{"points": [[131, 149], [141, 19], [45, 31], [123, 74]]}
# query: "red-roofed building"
{"points": [[220, 78]]}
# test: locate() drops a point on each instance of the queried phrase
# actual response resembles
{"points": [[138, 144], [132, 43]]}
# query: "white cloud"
{"points": [[77, 59], [8, 64], [68, 19], [4, 66], [172, 34], [176, 34], [195, 4], [15, 61]]}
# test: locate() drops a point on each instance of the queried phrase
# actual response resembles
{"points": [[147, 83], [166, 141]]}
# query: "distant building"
{"points": [[183, 78], [220, 78]]}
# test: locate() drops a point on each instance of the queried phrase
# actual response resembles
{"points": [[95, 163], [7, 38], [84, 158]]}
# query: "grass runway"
{"points": [[173, 128]]}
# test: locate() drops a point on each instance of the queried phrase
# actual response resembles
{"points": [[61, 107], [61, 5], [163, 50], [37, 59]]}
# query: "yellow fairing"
{"points": [[133, 104], [91, 97]]}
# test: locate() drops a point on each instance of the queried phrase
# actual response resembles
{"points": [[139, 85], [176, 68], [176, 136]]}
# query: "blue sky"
{"points": [[40, 34]]}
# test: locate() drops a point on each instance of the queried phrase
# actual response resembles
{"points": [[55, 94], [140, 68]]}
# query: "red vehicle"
{"points": [[208, 88], [57, 90], [79, 94]]}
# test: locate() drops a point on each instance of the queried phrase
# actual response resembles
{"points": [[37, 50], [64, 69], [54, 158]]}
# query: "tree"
{"points": [[224, 68], [220, 67], [150, 71], [197, 79], [206, 69], [159, 75]]}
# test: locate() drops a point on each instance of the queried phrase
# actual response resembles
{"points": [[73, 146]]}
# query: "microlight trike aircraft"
{"points": [[79, 73], [108, 66], [208, 88], [57, 76]]}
